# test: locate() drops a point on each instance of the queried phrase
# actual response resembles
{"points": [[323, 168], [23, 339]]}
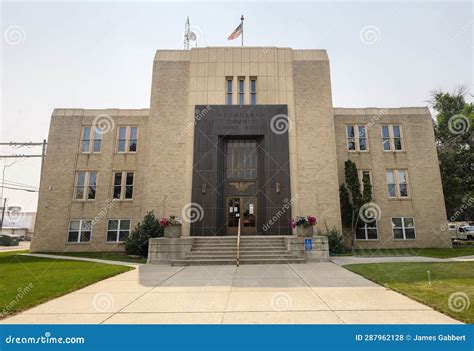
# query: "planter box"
{"points": [[173, 231], [302, 231]]}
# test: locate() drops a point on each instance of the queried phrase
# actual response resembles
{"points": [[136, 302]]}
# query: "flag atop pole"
{"points": [[239, 31]]}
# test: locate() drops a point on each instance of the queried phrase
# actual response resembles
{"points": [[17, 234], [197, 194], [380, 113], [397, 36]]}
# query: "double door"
{"points": [[245, 209]]}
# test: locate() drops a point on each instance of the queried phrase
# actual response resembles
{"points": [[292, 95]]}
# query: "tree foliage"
{"points": [[137, 242], [453, 128], [352, 198]]}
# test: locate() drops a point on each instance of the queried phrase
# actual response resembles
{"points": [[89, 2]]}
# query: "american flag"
{"points": [[236, 33]]}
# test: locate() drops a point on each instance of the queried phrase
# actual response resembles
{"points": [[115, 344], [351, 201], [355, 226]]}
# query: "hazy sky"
{"points": [[99, 55]]}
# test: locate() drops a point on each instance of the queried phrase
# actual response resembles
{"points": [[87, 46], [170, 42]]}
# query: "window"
{"points": [[367, 231], [242, 159], [392, 138], [86, 139], [397, 183], [79, 231], [127, 139], [86, 185], [253, 91], [94, 134], [229, 91], [356, 138], [403, 228], [241, 91], [123, 185], [118, 230]]}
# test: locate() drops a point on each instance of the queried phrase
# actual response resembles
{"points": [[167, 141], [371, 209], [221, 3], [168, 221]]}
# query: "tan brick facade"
{"points": [[163, 162]]}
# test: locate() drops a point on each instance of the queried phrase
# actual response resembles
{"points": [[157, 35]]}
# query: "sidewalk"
{"points": [[315, 293]]}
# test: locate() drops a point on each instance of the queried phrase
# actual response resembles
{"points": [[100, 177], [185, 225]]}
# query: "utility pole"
{"points": [[3, 213]]}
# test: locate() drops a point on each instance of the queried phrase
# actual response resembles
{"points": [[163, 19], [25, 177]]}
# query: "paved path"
{"points": [[343, 260], [284, 293], [23, 245]]}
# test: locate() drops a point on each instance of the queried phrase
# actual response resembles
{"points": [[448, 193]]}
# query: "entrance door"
{"points": [[245, 208]]}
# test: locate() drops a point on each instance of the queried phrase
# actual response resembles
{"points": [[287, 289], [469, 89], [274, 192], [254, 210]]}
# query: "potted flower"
{"points": [[172, 226], [304, 225]]}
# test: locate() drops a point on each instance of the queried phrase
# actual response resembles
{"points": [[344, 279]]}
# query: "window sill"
{"points": [[394, 151], [404, 239], [367, 239], [84, 201], [359, 151], [399, 198], [81, 243]]}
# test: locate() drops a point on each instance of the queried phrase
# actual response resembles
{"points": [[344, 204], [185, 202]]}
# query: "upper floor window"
{"points": [[91, 139], [127, 139], [253, 91], [123, 185], [79, 231], [403, 228], [356, 138], [229, 91], [397, 183], [86, 185], [118, 230], [241, 91], [392, 137]]}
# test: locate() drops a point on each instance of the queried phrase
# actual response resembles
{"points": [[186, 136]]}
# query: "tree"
{"points": [[454, 138], [137, 242], [352, 198]]}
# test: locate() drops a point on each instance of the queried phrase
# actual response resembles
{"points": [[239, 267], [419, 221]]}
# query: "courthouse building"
{"points": [[232, 133]]}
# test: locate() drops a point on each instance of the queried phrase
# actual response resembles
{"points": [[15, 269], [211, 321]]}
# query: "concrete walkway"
{"points": [[343, 260], [283, 293], [96, 260]]}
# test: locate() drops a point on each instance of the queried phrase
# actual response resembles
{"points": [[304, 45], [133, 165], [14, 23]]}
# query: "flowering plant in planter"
{"points": [[306, 222], [172, 220]]}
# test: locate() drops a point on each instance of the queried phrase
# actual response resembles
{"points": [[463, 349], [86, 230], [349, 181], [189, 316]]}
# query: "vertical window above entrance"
{"points": [[253, 91], [241, 91], [242, 159], [229, 91]]}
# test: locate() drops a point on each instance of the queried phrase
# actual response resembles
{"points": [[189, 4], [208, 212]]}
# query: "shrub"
{"points": [[336, 242], [137, 242]]}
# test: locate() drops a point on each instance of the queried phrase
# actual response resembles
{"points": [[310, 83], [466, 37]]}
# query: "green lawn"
{"points": [[111, 256], [433, 289], [27, 281], [436, 253]]}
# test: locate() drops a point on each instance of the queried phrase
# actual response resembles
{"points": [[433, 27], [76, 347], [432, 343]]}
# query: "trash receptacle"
{"points": [[9, 240]]}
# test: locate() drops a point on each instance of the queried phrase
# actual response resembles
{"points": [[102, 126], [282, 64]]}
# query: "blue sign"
{"points": [[308, 244]]}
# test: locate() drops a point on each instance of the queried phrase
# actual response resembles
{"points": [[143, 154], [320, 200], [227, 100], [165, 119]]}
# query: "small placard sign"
{"points": [[308, 244]]}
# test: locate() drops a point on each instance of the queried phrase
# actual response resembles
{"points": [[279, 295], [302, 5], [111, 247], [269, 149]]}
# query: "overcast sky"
{"points": [[99, 55]]}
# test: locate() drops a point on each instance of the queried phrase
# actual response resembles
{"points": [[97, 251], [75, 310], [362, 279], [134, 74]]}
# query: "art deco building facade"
{"points": [[231, 133]]}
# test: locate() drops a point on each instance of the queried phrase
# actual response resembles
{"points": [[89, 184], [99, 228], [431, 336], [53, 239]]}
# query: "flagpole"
{"points": [[242, 22]]}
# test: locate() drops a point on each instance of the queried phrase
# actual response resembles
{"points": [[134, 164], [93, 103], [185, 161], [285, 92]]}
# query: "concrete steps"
{"points": [[223, 250]]}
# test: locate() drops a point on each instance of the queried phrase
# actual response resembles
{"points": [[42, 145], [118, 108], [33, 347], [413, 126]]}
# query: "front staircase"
{"points": [[253, 250]]}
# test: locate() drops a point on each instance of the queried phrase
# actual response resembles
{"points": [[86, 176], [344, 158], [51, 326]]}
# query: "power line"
{"points": [[22, 189]]}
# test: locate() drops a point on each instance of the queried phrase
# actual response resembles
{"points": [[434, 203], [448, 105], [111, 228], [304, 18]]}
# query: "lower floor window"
{"points": [[118, 230], [79, 231], [367, 231], [403, 228]]}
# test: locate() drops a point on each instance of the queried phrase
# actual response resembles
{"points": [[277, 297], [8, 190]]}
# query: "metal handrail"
{"points": [[238, 245]]}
